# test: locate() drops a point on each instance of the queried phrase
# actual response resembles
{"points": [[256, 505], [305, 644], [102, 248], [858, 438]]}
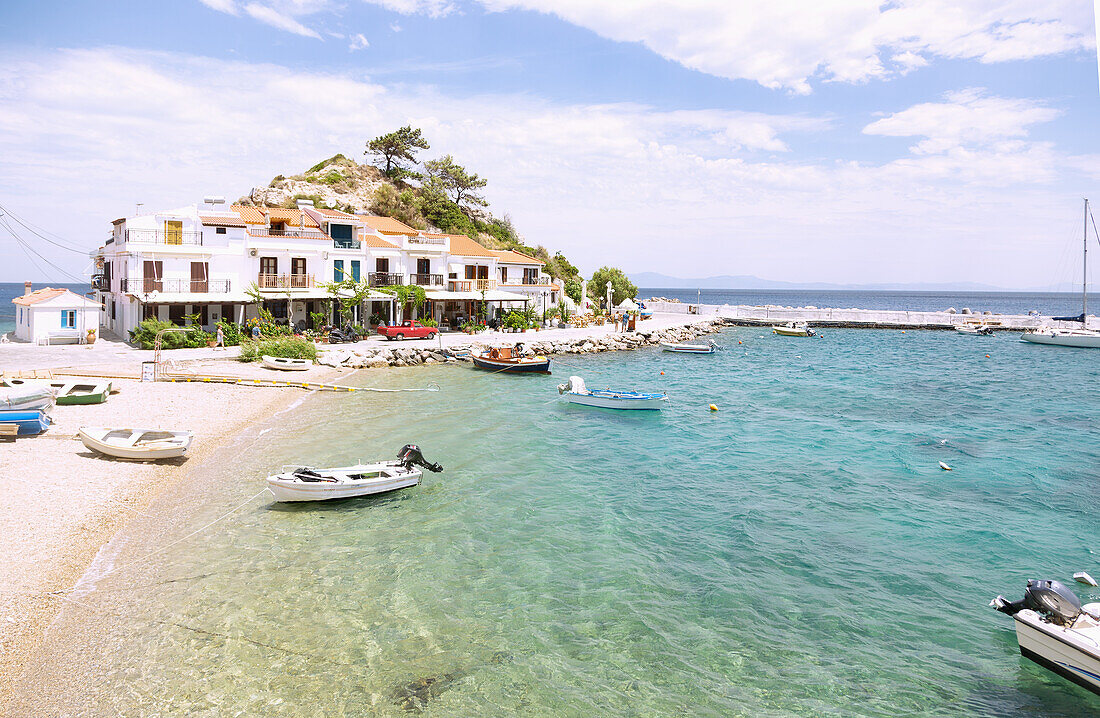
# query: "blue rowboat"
{"points": [[575, 392], [30, 423]]}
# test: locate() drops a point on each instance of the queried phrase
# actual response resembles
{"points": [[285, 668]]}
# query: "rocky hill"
{"points": [[337, 183]]}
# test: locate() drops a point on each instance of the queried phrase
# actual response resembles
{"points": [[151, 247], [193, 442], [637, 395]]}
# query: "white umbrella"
{"points": [[627, 305]]}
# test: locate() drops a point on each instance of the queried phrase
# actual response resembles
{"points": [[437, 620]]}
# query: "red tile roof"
{"points": [[223, 221], [389, 225], [507, 256], [41, 295], [371, 240], [463, 245], [292, 217], [336, 214]]}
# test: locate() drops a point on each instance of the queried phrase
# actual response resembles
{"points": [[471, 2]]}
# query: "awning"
{"points": [[494, 295], [497, 295], [190, 298], [372, 296]]}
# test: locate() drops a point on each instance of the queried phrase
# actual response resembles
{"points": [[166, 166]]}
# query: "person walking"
{"points": [[220, 337]]}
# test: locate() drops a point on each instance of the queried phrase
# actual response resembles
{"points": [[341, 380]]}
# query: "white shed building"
{"points": [[54, 314]]}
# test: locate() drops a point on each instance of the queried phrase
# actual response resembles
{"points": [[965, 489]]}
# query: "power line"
{"points": [[26, 247], [35, 232]]}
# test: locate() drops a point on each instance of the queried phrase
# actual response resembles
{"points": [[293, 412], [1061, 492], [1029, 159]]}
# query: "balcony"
{"points": [[286, 233], [471, 285], [427, 240], [195, 286], [529, 282], [156, 236], [346, 244], [385, 279], [284, 281], [426, 280]]}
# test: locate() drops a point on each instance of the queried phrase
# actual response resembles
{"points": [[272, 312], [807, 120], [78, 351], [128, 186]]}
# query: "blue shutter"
{"points": [[355, 269], [338, 270]]}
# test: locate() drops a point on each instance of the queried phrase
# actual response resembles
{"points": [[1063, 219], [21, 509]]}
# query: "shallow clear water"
{"points": [[797, 552]]}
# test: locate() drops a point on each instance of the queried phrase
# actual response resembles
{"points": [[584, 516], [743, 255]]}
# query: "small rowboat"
{"points": [[28, 398], [136, 444], [709, 348], [307, 484], [70, 392], [511, 359], [792, 329], [286, 364], [27, 423], [575, 392]]}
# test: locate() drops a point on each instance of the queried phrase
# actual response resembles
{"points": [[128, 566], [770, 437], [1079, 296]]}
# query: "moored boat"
{"points": [[1056, 631], [69, 392], [709, 348], [27, 423], [286, 364], [308, 484], [27, 398], [980, 330], [575, 392], [794, 329], [511, 359], [136, 444]]}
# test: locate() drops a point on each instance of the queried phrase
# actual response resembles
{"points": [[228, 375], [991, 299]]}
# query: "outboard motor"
{"points": [[1053, 599], [575, 386], [410, 454]]}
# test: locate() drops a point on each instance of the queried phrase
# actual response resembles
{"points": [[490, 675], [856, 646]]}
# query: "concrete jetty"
{"points": [[767, 315]]}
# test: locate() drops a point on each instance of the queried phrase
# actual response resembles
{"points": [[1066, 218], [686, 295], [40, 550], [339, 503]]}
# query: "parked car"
{"points": [[408, 329]]}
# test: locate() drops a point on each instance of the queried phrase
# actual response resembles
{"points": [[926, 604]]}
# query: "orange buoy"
{"points": [[986, 356], [662, 373], [713, 407], [738, 342]]}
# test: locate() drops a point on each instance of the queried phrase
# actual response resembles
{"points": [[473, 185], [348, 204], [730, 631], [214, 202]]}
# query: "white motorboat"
{"points": [[709, 348], [980, 330], [308, 484], [794, 329], [1057, 632], [28, 397], [575, 392], [286, 364], [1083, 338], [136, 444]]}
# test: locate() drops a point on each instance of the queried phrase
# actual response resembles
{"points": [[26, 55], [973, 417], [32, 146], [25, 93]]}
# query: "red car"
{"points": [[408, 329]]}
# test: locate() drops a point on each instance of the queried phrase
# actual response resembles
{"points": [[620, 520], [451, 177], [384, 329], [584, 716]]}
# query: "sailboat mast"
{"points": [[1085, 269]]}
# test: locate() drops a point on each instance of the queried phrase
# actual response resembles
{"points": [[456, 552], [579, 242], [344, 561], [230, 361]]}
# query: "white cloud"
{"points": [[431, 8], [786, 43], [226, 6], [687, 192], [395, 27], [358, 42], [277, 19]]}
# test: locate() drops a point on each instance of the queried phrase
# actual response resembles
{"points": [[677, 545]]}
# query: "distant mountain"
{"points": [[654, 280]]}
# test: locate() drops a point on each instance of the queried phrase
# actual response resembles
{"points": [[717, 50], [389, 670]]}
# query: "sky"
{"points": [[852, 141]]}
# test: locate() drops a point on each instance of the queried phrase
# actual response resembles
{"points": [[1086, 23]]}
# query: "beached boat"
{"points": [[308, 484], [1083, 338], [794, 329], [1056, 631], [27, 398], [511, 359], [137, 444], [27, 423], [709, 348], [69, 392], [285, 364], [575, 392], [980, 330]]}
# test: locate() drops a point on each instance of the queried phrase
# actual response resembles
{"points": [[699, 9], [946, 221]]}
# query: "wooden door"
{"points": [[153, 277], [199, 279]]}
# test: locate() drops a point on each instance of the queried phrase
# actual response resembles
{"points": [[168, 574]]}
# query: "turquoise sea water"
{"points": [[798, 552]]}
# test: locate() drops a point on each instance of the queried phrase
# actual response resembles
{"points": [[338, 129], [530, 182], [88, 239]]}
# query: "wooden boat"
{"points": [[709, 348], [308, 484], [511, 359], [137, 444], [286, 364], [28, 398], [27, 423], [69, 392], [575, 392], [793, 329]]}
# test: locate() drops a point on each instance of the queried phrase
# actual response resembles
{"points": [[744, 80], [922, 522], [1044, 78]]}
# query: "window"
{"points": [[355, 270], [68, 319], [269, 265], [423, 266], [504, 275], [219, 230], [175, 314], [112, 301], [531, 276], [173, 232], [337, 270], [199, 279], [152, 279], [298, 265], [471, 271], [382, 264]]}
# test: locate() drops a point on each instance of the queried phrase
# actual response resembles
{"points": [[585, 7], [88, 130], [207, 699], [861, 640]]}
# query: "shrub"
{"points": [[515, 320], [146, 333], [429, 322], [232, 332], [288, 347]]}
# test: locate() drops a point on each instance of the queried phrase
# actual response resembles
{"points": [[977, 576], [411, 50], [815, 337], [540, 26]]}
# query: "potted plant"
{"points": [[90, 338]]}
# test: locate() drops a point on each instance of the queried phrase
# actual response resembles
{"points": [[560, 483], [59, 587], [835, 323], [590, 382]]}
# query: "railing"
{"points": [[385, 279], [284, 233], [157, 236], [426, 240], [284, 281], [471, 285], [142, 285], [345, 244], [426, 280]]}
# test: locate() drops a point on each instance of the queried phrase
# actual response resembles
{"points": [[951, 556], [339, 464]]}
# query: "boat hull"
{"points": [[689, 348], [83, 394], [30, 423], [286, 364], [622, 402], [538, 366], [172, 446], [27, 398], [1059, 650], [286, 489], [1078, 341], [785, 332]]}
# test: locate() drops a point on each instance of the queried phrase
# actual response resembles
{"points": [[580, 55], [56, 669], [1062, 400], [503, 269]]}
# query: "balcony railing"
{"points": [[157, 236], [345, 244], [471, 285], [426, 280], [287, 233], [426, 240], [284, 281], [199, 286], [385, 279], [530, 282]]}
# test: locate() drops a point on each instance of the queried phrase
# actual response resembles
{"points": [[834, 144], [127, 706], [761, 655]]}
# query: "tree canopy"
{"points": [[393, 150], [454, 181], [621, 286]]}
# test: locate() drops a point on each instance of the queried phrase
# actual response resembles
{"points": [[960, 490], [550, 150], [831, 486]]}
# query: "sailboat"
{"points": [[1084, 337]]}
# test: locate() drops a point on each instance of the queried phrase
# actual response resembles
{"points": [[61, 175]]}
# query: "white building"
{"points": [[211, 260], [54, 315]]}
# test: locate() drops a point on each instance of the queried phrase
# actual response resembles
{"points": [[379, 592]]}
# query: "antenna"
{"points": [[139, 206]]}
